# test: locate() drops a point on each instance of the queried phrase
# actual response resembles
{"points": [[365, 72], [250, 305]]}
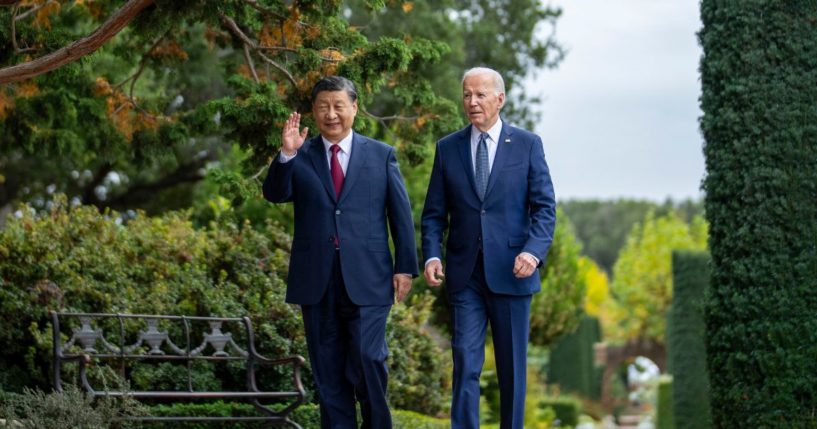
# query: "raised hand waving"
{"points": [[291, 138]]}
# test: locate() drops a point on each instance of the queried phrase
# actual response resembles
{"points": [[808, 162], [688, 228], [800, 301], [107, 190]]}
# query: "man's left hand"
{"points": [[524, 265], [402, 286]]}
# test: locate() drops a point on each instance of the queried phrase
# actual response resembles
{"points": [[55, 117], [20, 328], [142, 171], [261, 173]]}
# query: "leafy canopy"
{"points": [[642, 285]]}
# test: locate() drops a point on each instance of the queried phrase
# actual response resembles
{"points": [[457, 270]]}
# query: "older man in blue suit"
{"points": [[490, 189], [348, 194]]}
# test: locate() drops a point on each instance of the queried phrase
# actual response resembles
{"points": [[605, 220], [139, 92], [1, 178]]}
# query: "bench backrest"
{"points": [[123, 338]]}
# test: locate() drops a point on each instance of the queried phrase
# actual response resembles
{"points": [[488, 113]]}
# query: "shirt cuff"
{"points": [[283, 159], [432, 259], [534, 257]]}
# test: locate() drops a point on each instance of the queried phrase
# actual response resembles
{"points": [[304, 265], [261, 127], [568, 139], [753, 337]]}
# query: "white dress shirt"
{"points": [[490, 142], [343, 154]]}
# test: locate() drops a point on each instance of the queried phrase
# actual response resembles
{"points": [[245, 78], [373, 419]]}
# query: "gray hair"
{"points": [[499, 83]]}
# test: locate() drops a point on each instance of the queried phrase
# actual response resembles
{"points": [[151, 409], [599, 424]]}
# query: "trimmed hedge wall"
{"points": [[664, 418], [759, 80], [685, 340], [572, 365]]}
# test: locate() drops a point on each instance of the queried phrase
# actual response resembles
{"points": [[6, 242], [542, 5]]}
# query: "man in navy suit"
{"points": [[348, 194], [490, 189]]}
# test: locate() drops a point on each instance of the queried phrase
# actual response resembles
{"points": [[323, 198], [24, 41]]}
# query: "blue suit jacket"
{"points": [[518, 213], [372, 202]]}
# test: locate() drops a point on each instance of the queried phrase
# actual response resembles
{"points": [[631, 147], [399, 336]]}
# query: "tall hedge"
{"points": [[686, 350], [664, 416], [759, 80], [76, 259], [572, 361]]}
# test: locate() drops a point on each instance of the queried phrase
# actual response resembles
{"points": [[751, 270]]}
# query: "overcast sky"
{"points": [[620, 113]]}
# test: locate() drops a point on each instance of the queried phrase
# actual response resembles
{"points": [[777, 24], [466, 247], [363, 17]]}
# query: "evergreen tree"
{"points": [[153, 93]]}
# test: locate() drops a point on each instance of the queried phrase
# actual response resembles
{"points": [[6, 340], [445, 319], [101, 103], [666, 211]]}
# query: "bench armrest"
{"points": [[296, 361]]}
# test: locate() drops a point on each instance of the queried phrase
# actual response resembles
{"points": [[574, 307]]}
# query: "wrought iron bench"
{"points": [[120, 340]]}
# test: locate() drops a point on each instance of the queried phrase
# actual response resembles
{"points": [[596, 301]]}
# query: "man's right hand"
{"points": [[291, 138], [434, 273]]}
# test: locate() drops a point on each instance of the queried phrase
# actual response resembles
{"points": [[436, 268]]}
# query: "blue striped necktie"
{"points": [[481, 171]]}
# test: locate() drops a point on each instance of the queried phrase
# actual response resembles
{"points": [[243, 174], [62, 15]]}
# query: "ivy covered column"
{"points": [[759, 79]]}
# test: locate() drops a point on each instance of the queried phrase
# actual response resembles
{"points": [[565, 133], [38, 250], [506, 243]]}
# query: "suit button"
{"points": [[482, 213], [337, 212]]}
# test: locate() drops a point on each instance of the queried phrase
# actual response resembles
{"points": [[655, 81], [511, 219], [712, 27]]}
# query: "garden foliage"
{"points": [[76, 259]]}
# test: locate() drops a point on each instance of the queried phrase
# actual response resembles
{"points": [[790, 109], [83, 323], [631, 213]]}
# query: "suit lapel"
{"points": [[503, 149], [467, 161], [360, 148], [318, 156]]}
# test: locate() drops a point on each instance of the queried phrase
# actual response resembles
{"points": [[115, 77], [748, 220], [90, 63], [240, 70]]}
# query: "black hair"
{"points": [[335, 83]]}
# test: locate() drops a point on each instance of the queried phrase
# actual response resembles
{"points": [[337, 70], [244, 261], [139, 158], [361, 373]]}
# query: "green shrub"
{"points": [[686, 350], [34, 409], [412, 420], [663, 408], [557, 308], [76, 259], [306, 415], [419, 372], [758, 75], [566, 409], [210, 409]]}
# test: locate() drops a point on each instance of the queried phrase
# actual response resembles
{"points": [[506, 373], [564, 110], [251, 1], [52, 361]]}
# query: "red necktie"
{"points": [[336, 170]]}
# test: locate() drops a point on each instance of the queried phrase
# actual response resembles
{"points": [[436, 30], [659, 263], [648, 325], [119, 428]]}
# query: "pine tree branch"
{"points": [[293, 50], [236, 31], [142, 63], [254, 4], [34, 9], [77, 49], [15, 8], [250, 63], [383, 119]]}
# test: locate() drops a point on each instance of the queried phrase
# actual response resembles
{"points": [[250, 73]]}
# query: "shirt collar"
{"points": [[493, 132], [345, 143]]}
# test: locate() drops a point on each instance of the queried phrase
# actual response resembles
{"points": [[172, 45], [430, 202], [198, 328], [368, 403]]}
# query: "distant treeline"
{"points": [[602, 225]]}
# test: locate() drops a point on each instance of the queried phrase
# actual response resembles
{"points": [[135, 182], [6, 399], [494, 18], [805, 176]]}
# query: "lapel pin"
{"points": [[507, 140]]}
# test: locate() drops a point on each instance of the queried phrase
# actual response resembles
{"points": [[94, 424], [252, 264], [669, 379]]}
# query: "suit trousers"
{"points": [[471, 309], [348, 352]]}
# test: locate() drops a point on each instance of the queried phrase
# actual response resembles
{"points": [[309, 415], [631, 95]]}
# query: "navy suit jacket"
{"points": [[518, 213], [373, 202]]}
